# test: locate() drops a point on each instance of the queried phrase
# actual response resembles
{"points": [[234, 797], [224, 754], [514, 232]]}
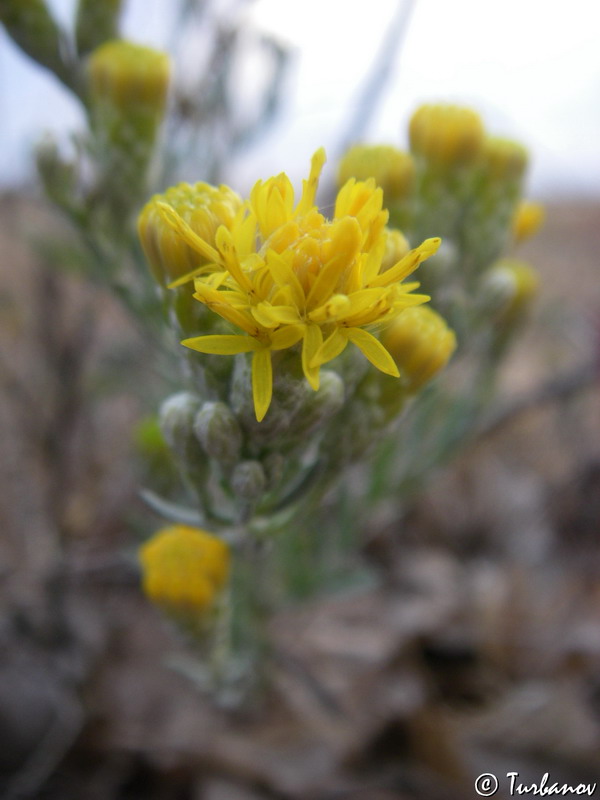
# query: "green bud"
{"points": [[177, 415], [218, 432], [321, 405], [97, 22], [496, 291], [58, 177], [248, 480]]}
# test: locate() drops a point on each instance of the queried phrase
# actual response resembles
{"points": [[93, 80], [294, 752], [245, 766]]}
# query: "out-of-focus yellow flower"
{"points": [[446, 135], [524, 282], [528, 219], [392, 169], [421, 343], [504, 159], [284, 274], [129, 77], [184, 569], [204, 208]]}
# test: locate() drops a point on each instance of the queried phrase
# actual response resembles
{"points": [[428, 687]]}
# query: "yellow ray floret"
{"points": [[285, 275]]}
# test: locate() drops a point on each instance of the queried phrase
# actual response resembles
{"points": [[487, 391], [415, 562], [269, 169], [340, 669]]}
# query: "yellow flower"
{"points": [[528, 219], [284, 274], [184, 569], [446, 135], [392, 169], [204, 208], [129, 76], [504, 159], [421, 344]]}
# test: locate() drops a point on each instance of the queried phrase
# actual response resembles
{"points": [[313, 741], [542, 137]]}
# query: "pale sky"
{"points": [[531, 67]]}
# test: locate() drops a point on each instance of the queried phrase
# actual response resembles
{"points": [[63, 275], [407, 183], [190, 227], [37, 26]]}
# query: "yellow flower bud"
{"points": [[203, 207], [524, 282], [129, 77], [184, 569], [446, 135], [392, 169], [420, 343], [504, 159], [528, 219], [396, 247]]}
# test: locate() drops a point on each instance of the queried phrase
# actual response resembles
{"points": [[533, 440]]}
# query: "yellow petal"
{"points": [[172, 218], [270, 316], [407, 264], [284, 275], [313, 339], [262, 382], [331, 347], [286, 337], [225, 243], [373, 350], [222, 344], [310, 186], [339, 253], [195, 273], [218, 302]]}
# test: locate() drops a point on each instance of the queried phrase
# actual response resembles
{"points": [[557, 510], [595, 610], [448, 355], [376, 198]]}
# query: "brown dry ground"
{"points": [[478, 651]]}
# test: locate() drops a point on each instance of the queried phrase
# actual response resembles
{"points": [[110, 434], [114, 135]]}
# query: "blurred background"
{"points": [[531, 69], [467, 639]]}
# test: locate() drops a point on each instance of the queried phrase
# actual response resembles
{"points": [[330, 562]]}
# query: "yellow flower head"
{"points": [[184, 569], [528, 219], [129, 77], [504, 159], [284, 274], [392, 169], [446, 135], [421, 344], [204, 208]]}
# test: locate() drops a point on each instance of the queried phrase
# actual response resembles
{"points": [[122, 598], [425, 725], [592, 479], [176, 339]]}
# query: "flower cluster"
{"points": [[284, 275]]}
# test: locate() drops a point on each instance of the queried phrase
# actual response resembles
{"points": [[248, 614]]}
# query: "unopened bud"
{"points": [[58, 176], [523, 281], [392, 169], [446, 135], [496, 291], [322, 404], [129, 77], [203, 207], [504, 159], [177, 415], [248, 480], [420, 343], [528, 219], [218, 432]]}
